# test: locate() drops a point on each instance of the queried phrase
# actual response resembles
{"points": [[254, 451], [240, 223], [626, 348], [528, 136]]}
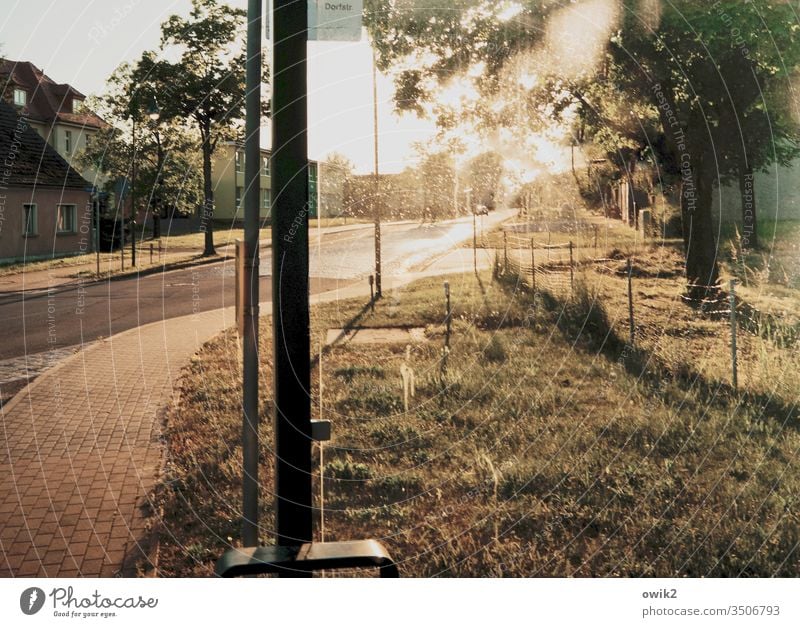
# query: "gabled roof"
{"points": [[48, 101], [27, 160]]}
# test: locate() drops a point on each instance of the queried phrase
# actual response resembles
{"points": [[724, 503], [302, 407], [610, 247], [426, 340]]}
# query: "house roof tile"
{"points": [[48, 101], [27, 160]]}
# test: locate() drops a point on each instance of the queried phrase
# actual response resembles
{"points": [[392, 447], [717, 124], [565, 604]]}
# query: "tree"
{"points": [[205, 86], [486, 177], [334, 173], [690, 84], [709, 86], [437, 177], [166, 152]]}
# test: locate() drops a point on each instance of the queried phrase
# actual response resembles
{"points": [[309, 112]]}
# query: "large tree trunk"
{"points": [[749, 217], [208, 203], [702, 273]]}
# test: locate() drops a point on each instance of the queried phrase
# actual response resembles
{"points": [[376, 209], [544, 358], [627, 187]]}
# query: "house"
{"points": [[228, 184], [54, 110], [45, 205], [774, 195]]}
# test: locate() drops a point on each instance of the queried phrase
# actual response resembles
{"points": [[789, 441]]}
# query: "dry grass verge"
{"points": [[546, 447]]}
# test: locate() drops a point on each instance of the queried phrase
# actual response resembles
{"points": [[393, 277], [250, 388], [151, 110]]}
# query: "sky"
{"points": [[81, 42]]}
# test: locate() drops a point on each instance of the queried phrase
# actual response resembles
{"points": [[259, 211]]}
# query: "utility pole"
{"points": [[291, 336], [250, 293], [133, 199], [376, 194]]}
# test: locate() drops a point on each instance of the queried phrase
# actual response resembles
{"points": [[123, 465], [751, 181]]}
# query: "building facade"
{"points": [[45, 205], [229, 184], [56, 111], [774, 195]]}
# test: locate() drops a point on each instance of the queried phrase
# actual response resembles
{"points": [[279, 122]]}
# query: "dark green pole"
{"points": [[290, 315], [133, 199], [252, 171]]}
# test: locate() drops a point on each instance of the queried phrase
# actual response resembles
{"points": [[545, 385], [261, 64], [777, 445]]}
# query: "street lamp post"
{"points": [[133, 198], [154, 114], [377, 208]]}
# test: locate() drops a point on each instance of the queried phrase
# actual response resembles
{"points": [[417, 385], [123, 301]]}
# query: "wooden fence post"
{"points": [[571, 272], [505, 252], [734, 361], [630, 302]]}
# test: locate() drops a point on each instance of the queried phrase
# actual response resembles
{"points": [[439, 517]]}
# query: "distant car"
{"points": [[481, 210]]}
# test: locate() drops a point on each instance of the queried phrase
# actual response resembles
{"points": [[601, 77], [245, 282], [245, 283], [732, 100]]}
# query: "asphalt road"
{"points": [[80, 314]]}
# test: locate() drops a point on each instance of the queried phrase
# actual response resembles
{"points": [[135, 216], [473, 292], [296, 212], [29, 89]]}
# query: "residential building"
{"points": [[774, 195], [229, 184], [54, 110], [45, 205]]}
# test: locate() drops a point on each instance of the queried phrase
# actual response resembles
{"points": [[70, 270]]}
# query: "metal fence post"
{"points": [[630, 303], [734, 361], [533, 265], [448, 318], [475, 242]]}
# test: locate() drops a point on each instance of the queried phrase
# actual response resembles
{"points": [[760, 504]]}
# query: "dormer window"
{"points": [[77, 105], [20, 97]]}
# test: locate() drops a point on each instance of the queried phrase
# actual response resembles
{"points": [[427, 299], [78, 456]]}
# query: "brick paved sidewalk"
{"points": [[80, 449]]}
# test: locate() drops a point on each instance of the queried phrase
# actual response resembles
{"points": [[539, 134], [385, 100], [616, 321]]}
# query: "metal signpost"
{"points": [[290, 313], [295, 553], [248, 266]]}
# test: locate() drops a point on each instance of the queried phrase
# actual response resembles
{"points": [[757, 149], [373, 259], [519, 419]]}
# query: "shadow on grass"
{"points": [[349, 326], [585, 323]]}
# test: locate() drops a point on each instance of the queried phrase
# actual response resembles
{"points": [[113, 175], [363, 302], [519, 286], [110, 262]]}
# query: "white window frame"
{"points": [[266, 198], [238, 162], [30, 227], [264, 166], [73, 219], [20, 97], [68, 141], [239, 196]]}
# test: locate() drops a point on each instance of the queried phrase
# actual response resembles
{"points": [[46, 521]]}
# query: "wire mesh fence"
{"points": [[648, 307], [541, 263]]}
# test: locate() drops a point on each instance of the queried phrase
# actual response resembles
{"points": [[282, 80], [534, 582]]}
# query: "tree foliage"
{"points": [[205, 86], [167, 153], [702, 90]]}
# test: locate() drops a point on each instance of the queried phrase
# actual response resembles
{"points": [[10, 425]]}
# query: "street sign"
{"points": [[334, 21], [329, 20]]}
